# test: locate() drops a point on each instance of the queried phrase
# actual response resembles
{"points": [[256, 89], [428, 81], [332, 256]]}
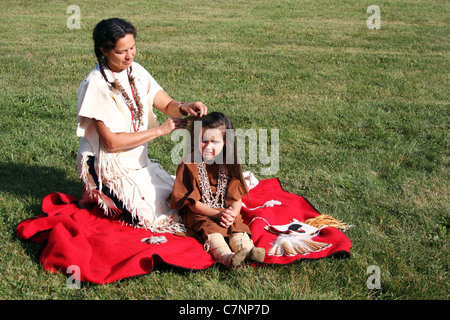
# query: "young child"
{"points": [[208, 190]]}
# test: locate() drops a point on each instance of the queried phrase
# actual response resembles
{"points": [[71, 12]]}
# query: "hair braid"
{"points": [[102, 63]]}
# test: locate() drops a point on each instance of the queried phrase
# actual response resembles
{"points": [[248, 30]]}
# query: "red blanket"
{"points": [[106, 250]]}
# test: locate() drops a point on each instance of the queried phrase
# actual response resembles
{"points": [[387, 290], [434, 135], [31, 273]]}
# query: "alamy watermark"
{"points": [[374, 21], [74, 21], [374, 279], [74, 280], [257, 146]]}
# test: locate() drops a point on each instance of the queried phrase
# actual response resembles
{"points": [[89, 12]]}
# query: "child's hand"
{"points": [[227, 217]]}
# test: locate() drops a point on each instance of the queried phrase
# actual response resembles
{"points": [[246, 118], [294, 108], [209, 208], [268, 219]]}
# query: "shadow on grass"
{"points": [[35, 181], [29, 184]]}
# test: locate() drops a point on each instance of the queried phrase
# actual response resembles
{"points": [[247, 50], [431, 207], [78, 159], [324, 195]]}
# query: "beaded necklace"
{"points": [[135, 106], [222, 185]]}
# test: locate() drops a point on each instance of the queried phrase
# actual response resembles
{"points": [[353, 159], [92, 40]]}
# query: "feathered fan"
{"points": [[295, 238]]}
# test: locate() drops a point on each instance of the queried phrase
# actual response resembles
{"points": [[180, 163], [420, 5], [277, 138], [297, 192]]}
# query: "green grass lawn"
{"points": [[363, 119]]}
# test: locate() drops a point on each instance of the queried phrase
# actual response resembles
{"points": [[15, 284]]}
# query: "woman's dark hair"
{"points": [[218, 120], [107, 32], [105, 35]]}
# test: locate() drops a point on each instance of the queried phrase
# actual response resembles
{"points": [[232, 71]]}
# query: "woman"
{"points": [[115, 123]]}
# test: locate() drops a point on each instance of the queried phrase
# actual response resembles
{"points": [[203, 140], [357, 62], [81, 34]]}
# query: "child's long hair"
{"points": [[217, 120]]}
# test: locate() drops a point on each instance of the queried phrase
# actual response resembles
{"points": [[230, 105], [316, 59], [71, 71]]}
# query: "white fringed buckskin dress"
{"points": [[127, 180]]}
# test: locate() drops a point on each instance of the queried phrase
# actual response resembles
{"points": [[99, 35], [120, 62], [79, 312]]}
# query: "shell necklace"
{"points": [[135, 106], [217, 201]]}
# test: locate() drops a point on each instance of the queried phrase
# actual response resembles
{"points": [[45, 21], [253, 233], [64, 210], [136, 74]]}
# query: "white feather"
{"points": [[293, 244]]}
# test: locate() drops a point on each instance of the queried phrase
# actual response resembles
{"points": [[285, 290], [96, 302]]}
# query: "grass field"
{"points": [[363, 116]]}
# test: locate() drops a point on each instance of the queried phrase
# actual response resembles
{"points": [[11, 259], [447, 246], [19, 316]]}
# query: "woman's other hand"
{"points": [[196, 108]]}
